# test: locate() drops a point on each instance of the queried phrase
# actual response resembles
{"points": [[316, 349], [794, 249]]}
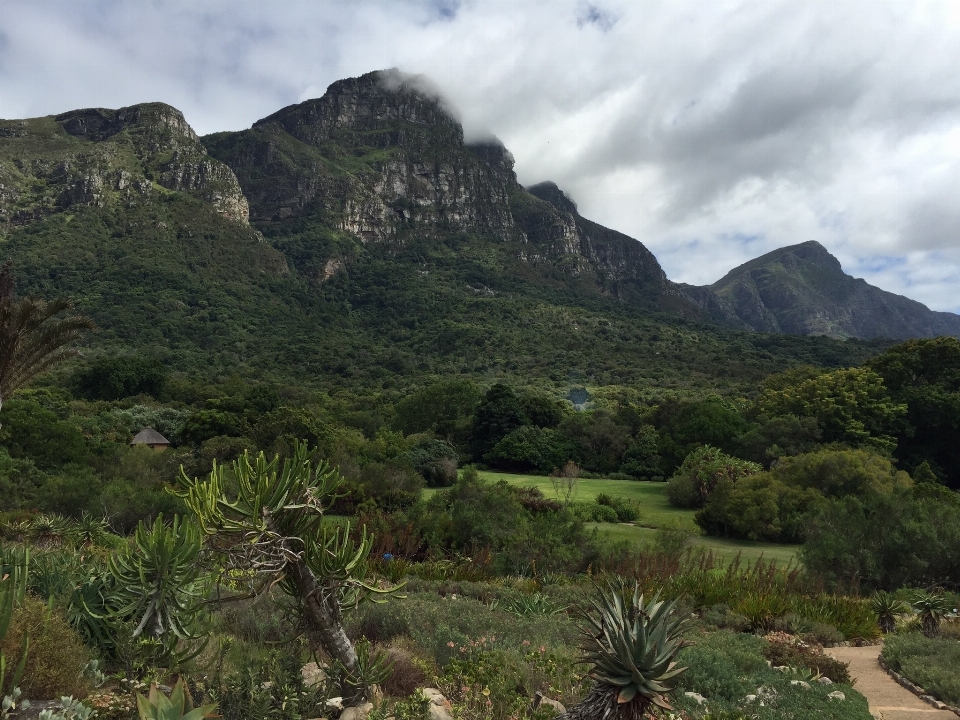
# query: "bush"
{"points": [[702, 472], [787, 650], [409, 671], [930, 663], [378, 623], [56, 657]]}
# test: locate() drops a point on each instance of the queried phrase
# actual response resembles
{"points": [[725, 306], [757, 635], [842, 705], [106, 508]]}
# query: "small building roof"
{"points": [[149, 436]]}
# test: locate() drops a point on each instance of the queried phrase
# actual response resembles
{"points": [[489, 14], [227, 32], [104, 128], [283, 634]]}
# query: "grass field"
{"points": [[655, 512]]}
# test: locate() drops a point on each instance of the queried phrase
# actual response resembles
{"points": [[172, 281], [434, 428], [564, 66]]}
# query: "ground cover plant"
{"points": [[928, 662]]}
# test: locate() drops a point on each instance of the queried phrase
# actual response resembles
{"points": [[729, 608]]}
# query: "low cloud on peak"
{"points": [[712, 132]]}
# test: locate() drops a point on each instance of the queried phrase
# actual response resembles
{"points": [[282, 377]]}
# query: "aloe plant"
{"points": [[179, 706], [631, 646], [887, 607], [931, 608]]}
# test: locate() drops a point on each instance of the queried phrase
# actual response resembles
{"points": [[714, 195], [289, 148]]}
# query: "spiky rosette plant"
{"points": [[887, 607], [631, 646], [932, 609]]}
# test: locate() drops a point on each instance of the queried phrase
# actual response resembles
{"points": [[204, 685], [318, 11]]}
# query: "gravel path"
{"points": [[887, 699]]}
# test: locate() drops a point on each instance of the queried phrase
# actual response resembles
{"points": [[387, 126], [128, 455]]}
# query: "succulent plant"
{"points": [[179, 706], [887, 607], [931, 608], [631, 646]]}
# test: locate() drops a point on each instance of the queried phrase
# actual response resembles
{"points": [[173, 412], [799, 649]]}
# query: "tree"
{"points": [[272, 533], [32, 336], [851, 406]]}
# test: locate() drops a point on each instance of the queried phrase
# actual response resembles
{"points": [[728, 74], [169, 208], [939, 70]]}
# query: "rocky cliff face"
{"points": [[98, 157], [380, 157], [802, 290]]}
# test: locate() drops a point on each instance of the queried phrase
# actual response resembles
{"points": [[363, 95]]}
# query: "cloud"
{"points": [[712, 132]]}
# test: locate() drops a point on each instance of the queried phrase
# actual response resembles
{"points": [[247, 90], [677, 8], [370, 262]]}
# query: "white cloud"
{"points": [[713, 132]]}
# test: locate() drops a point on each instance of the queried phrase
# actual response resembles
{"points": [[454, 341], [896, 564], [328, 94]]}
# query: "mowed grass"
{"points": [[655, 509], [655, 512]]}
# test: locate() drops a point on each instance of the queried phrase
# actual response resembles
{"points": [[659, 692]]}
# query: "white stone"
{"points": [[696, 696], [800, 683], [837, 695], [434, 696], [335, 703], [313, 674], [357, 713], [555, 704], [825, 681], [751, 698]]}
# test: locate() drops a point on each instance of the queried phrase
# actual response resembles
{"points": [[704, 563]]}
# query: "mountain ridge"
{"points": [[802, 290]]}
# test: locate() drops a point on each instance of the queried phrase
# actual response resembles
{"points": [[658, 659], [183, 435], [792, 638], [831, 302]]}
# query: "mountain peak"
{"points": [[550, 192], [802, 290], [375, 101]]}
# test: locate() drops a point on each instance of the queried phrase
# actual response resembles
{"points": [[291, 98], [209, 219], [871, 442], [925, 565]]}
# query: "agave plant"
{"points": [[179, 706], [49, 532], [887, 607], [932, 608], [631, 646], [91, 530]]}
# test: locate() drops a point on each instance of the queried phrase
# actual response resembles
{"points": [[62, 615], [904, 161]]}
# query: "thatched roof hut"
{"points": [[151, 438]]}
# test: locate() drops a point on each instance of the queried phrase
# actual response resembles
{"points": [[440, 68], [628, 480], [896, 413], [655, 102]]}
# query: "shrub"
{"points": [[790, 651], [378, 623], [56, 658], [930, 663], [702, 472], [408, 670]]}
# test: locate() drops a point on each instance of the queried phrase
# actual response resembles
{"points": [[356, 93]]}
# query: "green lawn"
{"points": [[655, 512]]}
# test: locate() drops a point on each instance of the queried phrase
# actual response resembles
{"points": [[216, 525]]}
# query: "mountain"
{"points": [[802, 290], [354, 241]]}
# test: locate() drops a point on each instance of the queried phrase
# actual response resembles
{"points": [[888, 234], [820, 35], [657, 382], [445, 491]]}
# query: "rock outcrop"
{"points": [[98, 157], [382, 159]]}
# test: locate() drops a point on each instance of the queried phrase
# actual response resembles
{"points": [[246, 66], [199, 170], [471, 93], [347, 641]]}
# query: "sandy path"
{"points": [[887, 699]]}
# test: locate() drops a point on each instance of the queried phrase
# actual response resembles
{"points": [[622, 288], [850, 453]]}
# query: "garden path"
{"points": [[887, 699]]}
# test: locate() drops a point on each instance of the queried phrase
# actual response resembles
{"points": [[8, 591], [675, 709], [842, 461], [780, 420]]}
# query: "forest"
{"points": [[298, 549]]}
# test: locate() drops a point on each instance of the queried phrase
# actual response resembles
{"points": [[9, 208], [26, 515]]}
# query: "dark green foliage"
{"points": [[704, 471], [837, 473], [31, 431], [498, 413], [685, 425], [530, 448], [850, 406], [770, 438], [436, 461], [641, 459], [444, 408], [113, 377], [925, 375], [759, 507], [886, 541]]}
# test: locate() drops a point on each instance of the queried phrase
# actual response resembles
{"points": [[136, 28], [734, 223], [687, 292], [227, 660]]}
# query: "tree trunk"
{"points": [[601, 704], [321, 610]]}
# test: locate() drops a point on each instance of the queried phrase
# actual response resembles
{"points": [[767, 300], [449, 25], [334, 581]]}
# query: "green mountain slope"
{"points": [[381, 252]]}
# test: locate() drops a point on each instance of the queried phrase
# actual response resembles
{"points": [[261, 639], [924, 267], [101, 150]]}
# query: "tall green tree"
{"points": [[34, 335], [851, 406]]}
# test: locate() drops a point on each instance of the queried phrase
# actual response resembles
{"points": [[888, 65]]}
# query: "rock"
{"points": [[800, 683], [335, 703], [837, 695], [434, 696], [313, 674], [825, 681], [555, 704], [438, 712], [696, 696], [751, 698], [357, 713]]}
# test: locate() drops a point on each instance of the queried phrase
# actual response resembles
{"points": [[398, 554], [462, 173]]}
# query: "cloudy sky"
{"points": [[711, 131]]}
